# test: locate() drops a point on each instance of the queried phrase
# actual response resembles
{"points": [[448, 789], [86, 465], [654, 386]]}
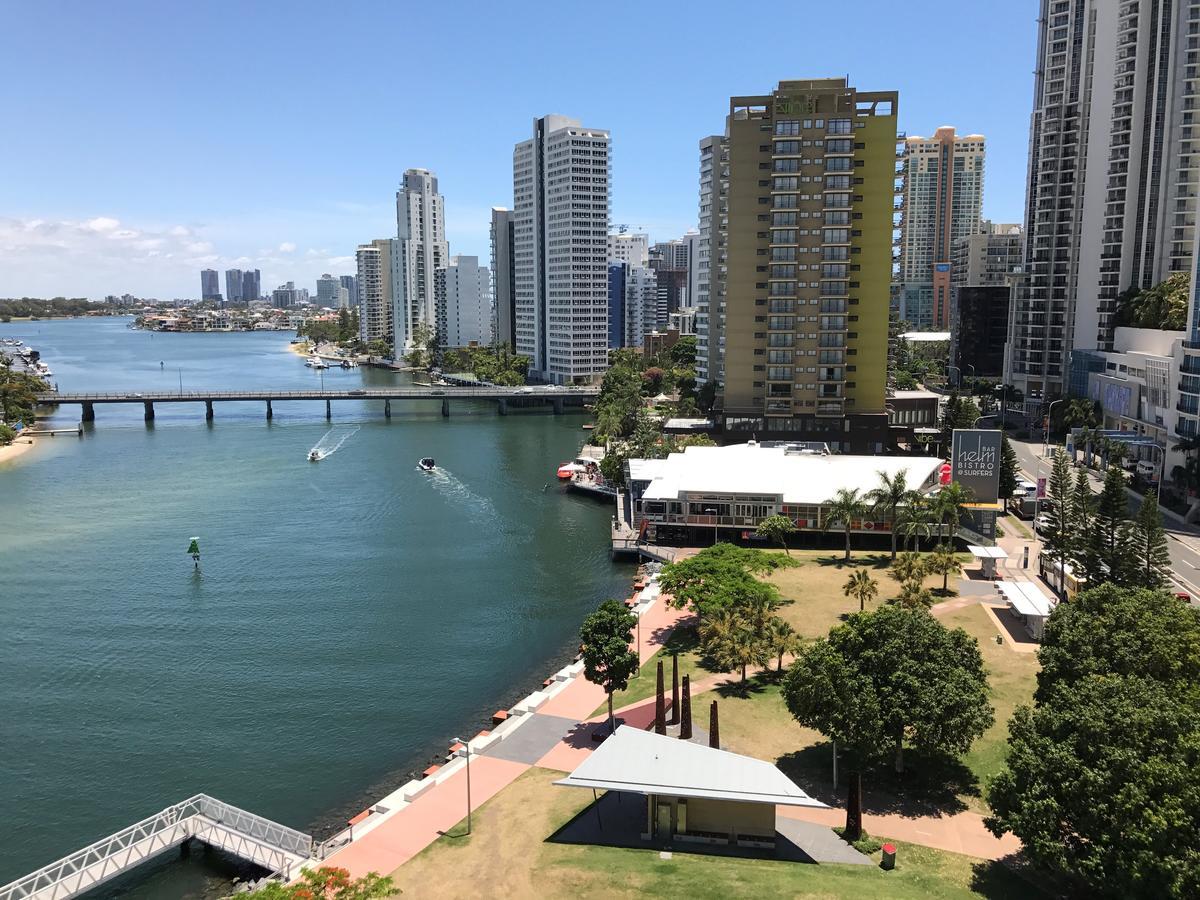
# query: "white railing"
{"points": [[490, 393], [213, 821]]}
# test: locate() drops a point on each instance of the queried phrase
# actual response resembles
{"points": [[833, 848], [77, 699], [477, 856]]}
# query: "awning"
{"points": [[1025, 598], [986, 552], [642, 762]]}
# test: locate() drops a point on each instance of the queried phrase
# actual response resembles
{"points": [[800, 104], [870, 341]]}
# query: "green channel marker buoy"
{"points": [[194, 550]]}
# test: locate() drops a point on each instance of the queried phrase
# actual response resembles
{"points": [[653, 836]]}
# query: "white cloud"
{"points": [[102, 224], [179, 231], [287, 247]]}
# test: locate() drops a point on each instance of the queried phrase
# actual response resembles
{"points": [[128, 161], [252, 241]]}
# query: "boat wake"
{"points": [[452, 486], [331, 442]]}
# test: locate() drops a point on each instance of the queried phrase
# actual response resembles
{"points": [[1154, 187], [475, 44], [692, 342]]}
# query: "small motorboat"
{"points": [[315, 362], [314, 455], [426, 464]]}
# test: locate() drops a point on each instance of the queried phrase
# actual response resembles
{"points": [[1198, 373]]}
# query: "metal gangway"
{"points": [[277, 848]]}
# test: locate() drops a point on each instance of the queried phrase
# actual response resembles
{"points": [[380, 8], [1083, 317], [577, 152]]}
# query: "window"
{"points": [[787, 183], [786, 201], [839, 126], [790, 127], [787, 236], [783, 254], [789, 271], [836, 236], [786, 148], [834, 270], [787, 165], [838, 164], [838, 145], [837, 200], [783, 218], [837, 217], [837, 182]]}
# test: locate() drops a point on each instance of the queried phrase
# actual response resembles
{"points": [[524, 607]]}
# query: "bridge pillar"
{"points": [[88, 413], [387, 409], [208, 411], [328, 411], [446, 407], [502, 404], [270, 411], [558, 406], [149, 410]]}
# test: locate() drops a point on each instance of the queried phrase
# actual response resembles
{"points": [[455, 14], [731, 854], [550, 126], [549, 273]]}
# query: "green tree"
{"points": [[1008, 469], [887, 679], [608, 660], [328, 883], [909, 567], [948, 504], [706, 397], [781, 638], [892, 493], [913, 595], [719, 577], [731, 640], [1110, 533], [1120, 631], [943, 561], [776, 528], [862, 587], [8, 434], [1163, 306], [916, 521], [683, 353], [18, 395], [1149, 557], [1058, 541], [844, 509]]}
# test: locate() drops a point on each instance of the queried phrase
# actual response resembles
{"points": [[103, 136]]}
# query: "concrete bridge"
{"points": [[280, 850], [560, 398]]}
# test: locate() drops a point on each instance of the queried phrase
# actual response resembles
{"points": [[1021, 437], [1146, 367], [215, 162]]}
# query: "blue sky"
{"points": [[147, 140]]}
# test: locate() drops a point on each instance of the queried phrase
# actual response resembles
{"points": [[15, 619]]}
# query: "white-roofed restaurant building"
{"points": [[705, 493]]}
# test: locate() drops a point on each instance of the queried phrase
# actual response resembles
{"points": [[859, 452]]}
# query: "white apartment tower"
{"points": [[1111, 199], [377, 263], [560, 247], [421, 232], [708, 258], [629, 248], [641, 304], [464, 293]]}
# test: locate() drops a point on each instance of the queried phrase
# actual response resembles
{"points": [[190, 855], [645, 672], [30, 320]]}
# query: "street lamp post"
{"points": [[1046, 430], [467, 745], [958, 381], [180, 382]]}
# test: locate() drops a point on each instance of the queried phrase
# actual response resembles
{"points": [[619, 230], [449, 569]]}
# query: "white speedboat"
{"points": [[426, 464], [315, 362], [314, 455]]}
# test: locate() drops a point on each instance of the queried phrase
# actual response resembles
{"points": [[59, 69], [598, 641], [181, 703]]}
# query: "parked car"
{"points": [[1042, 524]]}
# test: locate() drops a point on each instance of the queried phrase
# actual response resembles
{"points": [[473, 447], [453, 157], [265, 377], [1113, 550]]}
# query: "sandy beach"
{"points": [[17, 448]]}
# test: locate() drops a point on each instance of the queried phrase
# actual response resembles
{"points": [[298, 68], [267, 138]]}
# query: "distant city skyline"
{"points": [[112, 200]]}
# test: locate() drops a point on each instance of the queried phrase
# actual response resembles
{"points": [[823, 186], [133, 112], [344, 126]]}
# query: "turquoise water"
{"points": [[350, 616]]}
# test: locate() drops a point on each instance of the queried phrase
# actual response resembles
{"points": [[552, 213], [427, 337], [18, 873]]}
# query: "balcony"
{"points": [[830, 408]]}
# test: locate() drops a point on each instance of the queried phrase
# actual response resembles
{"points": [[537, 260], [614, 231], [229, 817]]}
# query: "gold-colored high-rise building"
{"points": [[802, 263]]}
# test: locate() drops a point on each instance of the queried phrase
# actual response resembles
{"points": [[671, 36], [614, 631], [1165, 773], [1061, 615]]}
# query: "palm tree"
{"points": [[913, 596], [916, 521], [781, 638], [861, 587], [843, 509], [944, 562], [908, 567], [949, 503], [889, 496], [731, 641]]}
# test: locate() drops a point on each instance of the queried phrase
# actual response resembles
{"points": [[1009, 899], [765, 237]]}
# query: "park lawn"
{"points": [[1012, 677], [510, 854], [812, 591]]}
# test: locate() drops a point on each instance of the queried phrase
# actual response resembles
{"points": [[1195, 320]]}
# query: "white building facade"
{"points": [[561, 180], [376, 264], [629, 248], [709, 255], [421, 234], [463, 292]]}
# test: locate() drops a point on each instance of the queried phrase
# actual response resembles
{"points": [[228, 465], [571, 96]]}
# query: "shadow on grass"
{"points": [[929, 786], [861, 561], [1012, 877], [742, 689]]}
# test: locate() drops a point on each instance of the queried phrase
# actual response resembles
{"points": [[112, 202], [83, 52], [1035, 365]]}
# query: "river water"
{"points": [[349, 617]]}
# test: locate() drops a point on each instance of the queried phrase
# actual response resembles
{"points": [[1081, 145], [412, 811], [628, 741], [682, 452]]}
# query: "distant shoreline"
{"points": [[18, 448]]}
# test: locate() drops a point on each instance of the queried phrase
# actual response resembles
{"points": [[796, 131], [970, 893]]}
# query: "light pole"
{"points": [[180, 382], [467, 746], [958, 381], [713, 513], [1046, 430]]}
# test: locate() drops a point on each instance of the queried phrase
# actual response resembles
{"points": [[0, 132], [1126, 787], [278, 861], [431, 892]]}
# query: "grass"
{"points": [[1012, 677], [683, 641], [509, 854], [812, 591]]}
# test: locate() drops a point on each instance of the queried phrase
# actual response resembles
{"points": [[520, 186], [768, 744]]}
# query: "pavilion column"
{"points": [[674, 688], [660, 716], [685, 717], [714, 729]]}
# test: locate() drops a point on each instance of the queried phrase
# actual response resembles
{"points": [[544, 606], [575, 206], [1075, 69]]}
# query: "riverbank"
{"points": [[18, 448]]}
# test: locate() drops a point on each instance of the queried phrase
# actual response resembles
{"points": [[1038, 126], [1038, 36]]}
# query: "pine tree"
{"points": [[1148, 542], [1008, 469], [1111, 529], [1083, 513], [1057, 539]]}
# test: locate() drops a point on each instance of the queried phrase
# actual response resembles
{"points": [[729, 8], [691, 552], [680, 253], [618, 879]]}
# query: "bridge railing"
{"points": [[356, 394], [173, 824]]}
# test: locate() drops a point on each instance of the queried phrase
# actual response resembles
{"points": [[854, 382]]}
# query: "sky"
{"points": [[149, 140]]}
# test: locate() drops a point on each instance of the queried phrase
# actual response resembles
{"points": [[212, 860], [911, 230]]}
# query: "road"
{"points": [[1183, 541]]}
